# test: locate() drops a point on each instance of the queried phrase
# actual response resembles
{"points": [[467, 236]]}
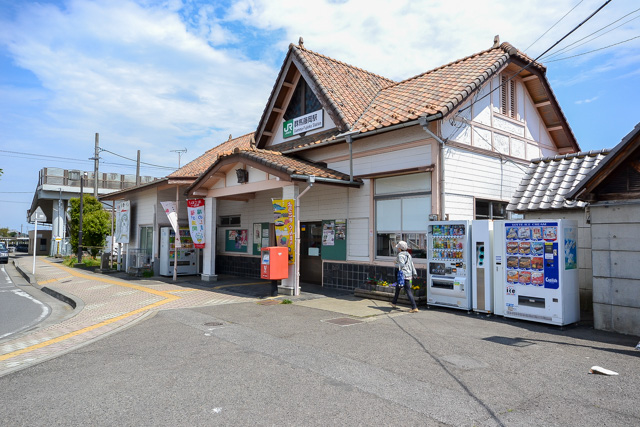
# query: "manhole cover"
{"points": [[343, 321], [269, 302], [213, 324]]}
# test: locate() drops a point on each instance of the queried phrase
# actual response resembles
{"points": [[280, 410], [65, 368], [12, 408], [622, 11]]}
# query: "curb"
{"points": [[32, 281]]}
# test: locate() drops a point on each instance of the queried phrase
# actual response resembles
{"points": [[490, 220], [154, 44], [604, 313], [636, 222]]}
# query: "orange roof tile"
{"points": [[440, 90], [194, 168], [349, 89]]}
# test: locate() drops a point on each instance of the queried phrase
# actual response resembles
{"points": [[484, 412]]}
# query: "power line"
{"points": [[539, 56], [550, 28], [133, 160], [566, 48], [595, 50]]}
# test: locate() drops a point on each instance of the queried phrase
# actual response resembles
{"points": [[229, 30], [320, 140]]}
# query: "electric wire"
{"points": [[541, 55], [595, 50], [133, 160], [566, 48], [550, 28]]}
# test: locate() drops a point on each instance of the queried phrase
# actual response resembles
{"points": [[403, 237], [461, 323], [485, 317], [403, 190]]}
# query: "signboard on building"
{"points": [[195, 210], [303, 124], [285, 225]]}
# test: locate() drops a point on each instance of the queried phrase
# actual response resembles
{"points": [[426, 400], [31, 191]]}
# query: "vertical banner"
{"points": [[123, 208], [195, 209], [285, 225], [172, 214]]}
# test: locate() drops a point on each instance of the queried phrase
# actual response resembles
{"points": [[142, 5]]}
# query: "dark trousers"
{"points": [[408, 291]]}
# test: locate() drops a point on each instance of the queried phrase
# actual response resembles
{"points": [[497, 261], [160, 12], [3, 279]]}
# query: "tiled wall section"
{"points": [[348, 276], [238, 266]]}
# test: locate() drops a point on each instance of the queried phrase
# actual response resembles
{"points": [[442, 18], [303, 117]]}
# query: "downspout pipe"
{"points": [[424, 122], [296, 286], [349, 139]]}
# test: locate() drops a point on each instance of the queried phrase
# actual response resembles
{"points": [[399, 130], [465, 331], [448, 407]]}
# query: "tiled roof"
{"points": [[550, 179], [348, 88], [440, 90], [289, 165], [194, 168]]}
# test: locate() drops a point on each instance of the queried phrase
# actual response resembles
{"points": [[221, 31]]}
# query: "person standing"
{"points": [[406, 272]]}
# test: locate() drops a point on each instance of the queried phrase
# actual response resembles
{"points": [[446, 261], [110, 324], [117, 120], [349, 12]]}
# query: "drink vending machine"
{"points": [[539, 272], [187, 257], [448, 261]]}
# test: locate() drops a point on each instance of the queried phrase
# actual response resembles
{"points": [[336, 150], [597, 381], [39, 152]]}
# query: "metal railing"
{"points": [[71, 178]]}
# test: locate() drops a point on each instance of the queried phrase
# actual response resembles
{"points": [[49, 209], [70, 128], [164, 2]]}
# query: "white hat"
{"points": [[402, 245]]}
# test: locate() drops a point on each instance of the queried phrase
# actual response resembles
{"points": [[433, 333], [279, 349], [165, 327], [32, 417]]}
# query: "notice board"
{"points": [[261, 236], [334, 239]]}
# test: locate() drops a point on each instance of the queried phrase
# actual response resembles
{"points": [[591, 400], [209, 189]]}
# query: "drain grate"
{"points": [[269, 302], [344, 321], [213, 324]]}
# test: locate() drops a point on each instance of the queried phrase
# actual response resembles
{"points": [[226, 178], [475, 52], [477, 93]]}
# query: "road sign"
{"points": [[38, 215]]}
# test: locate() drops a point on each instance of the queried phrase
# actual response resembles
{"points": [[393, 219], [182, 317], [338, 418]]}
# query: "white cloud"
{"points": [[586, 101]]}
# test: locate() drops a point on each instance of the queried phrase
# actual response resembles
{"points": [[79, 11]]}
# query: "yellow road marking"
{"points": [[239, 284], [182, 290], [168, 298]]}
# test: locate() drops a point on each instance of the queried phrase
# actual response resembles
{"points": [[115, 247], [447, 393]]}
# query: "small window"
{"points": [[302, 102], [508, 97], [489, 209], [229, 220]]}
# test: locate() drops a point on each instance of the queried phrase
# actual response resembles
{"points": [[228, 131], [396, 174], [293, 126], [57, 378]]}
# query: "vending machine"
{"points": [[482, 266], [540, 274], [187, 256], [449, 267]]}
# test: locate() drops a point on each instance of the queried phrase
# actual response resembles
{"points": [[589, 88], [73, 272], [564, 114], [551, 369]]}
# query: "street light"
{"points": [[81, 209]]}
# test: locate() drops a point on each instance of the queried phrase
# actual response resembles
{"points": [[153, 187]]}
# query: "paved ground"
{"points": [[323, 360]]}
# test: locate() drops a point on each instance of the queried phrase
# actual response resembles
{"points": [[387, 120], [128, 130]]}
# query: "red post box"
{"points": [[274, 263]]}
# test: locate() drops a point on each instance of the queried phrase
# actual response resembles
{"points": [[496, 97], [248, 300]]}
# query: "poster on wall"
{"points": [[341, 226], [328, 233], [285, 225], [122, 221], [236, 240], [195, 210]]}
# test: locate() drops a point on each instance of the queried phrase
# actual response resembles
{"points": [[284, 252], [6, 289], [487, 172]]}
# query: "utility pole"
{"points": [[96, 165], [138, 169]]}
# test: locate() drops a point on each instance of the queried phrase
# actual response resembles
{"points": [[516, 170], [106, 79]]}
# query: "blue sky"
{"points": [[157, 76]]}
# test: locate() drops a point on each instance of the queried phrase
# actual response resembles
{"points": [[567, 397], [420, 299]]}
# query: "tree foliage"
{"points": [[96, 224]]}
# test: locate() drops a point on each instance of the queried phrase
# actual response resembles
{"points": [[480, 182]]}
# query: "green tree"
{"points": [[4, 232], [95, 224]]}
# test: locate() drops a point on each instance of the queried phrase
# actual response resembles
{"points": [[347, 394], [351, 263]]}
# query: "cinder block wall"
{"points": [[615, 233]]}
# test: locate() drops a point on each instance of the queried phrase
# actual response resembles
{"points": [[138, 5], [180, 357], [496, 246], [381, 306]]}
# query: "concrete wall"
{"points": [[615, 231], [585, 270]]}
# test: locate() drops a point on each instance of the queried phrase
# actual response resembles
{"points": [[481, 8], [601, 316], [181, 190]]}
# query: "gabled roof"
{"points": [[548, 181], [194, 168], [618, 155], [360, 101], [276, 163]]}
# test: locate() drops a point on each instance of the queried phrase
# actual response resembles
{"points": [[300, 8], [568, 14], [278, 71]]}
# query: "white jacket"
{"points": [[404, 262]]}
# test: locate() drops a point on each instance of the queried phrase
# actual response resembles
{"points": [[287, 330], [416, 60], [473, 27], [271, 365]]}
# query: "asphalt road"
{"points": [[19, 309], [249, 364]]}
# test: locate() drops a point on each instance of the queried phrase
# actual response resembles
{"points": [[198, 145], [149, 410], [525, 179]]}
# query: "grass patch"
{"points": [[71, 261], [286, 301]]}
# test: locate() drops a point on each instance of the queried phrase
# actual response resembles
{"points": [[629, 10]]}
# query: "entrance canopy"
{"points": [[239, 174]]}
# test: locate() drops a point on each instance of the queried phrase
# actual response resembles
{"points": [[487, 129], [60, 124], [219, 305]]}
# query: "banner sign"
{"points": [[123, 209], [285, 225], [302, 124], [172, 214], [195, 210]]}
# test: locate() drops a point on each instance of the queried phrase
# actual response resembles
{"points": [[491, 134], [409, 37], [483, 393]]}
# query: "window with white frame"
{"points": [[508, 104], [402, 208]]}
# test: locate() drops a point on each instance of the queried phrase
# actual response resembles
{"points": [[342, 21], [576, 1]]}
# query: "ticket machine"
{"points": [[274, 264]]}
